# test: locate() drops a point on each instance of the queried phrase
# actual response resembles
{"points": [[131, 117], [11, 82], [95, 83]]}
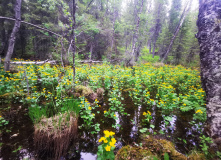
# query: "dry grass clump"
{"points": [[158, 64], [83, 91], [54, 135]]}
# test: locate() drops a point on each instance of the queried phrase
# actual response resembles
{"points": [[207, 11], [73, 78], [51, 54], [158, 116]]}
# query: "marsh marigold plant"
{"points": [[107, 146]]}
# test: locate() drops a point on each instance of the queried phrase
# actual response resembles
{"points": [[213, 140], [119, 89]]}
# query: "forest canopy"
{"points": [[113, 30]]}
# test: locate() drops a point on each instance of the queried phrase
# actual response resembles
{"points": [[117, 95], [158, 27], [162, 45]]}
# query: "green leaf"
{"points": [[152, 126], [166, 156], [143, 130]]}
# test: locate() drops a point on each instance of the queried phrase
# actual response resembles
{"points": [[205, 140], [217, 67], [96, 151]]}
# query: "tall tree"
{"points": [[158, 23], [73, 39], [137, 11], [182, 18], [173, 21], [13, 34], [209, 33]]}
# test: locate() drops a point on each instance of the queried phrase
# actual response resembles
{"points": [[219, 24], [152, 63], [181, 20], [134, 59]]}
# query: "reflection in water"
{"points": [[85, 146], [88, 156]]}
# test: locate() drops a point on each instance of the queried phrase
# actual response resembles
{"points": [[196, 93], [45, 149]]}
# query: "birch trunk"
{"points": [[177, 31], [13, 35], [209, 33]]}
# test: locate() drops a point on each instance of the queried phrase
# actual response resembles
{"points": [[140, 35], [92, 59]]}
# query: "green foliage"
{"points": [[171, 89], [146, 57], [149, 58], [205, 141], [106, 150], [3, 122]]}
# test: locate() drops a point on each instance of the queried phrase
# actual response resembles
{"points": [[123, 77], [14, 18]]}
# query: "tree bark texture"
{"points": [[135, 36], [209, 37], [13, 34]]}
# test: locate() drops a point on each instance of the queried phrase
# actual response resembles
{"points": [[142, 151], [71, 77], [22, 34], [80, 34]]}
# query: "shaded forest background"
{"points": [[111, 30]]}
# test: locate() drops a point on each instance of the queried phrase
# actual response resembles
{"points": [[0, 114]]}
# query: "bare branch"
{"points": [[12, 19]]}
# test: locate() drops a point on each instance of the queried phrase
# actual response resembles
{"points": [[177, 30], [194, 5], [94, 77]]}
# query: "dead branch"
{"points": [[12, 19]]}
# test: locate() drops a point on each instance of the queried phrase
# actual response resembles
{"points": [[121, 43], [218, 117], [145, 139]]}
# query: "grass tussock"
{"points": [[54, 135], [158, 64], [83, 91]]}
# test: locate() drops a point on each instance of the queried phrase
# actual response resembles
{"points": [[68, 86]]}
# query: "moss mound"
{"points": [[196, 156], [153, 149], [83, 91], [129, 152], [54, 135], [161, 146]]}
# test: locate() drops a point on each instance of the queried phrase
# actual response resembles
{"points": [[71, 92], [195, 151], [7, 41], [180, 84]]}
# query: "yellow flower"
{"points": [[105, 140], [108, 148], [111, 133], [105, 112], [107, 133], [113, 141], [112, 144], [199, 111], [89, 108], [149, 113], [144, 113], [101, 139]]}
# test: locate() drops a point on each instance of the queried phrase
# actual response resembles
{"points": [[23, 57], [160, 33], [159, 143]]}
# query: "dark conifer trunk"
{"points": [[135, 35], [73, 39], [13, 34]]}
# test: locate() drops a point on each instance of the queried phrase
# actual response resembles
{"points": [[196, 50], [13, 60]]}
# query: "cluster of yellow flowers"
{"points": [[199, 111], [107, 133], [106, 138], [148, 112]]}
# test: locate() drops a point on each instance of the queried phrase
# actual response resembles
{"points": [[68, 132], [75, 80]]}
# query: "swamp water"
{"points": [[17, 136]]}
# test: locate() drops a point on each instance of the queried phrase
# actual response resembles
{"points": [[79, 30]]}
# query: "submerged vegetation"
{"points": [[100, 100]]}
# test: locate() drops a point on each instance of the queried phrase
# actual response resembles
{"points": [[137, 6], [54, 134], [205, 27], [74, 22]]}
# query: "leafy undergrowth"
{"points": [[167, 89]]}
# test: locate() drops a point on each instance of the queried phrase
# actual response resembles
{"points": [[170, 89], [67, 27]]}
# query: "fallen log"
{"points": [[88, 61], [33, 62]]}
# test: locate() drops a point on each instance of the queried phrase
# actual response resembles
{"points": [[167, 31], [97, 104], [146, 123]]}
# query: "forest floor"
{"points": [[164, 102]]}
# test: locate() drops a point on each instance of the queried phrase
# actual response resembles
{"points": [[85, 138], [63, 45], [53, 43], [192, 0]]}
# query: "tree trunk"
{"points": [[113, 31], [135, 36], [73, 41], [13, 35], [3, 38], [91, 51], [157, 28], [177, 31], [209, 33]]}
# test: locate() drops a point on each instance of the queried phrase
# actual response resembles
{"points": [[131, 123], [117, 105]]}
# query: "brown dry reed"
{"points": [[54, 135]]}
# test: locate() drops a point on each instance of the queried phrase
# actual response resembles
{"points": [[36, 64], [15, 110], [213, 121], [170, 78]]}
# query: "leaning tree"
{"points": [[209, 37]]}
